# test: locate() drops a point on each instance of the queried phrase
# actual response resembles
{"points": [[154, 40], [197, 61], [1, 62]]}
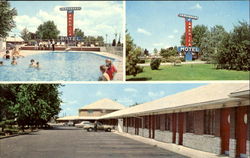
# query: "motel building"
{"points": [[212, 118], [94, 111]]}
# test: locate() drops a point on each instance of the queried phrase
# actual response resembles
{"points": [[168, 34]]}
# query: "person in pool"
{"points": [[7, 54], [111, 70], [13, 62], [32, 63], [1, 63], [105, 76], [37, 65]]}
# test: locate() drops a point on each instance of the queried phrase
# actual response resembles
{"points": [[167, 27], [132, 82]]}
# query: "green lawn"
{"points": [[189, 72]]}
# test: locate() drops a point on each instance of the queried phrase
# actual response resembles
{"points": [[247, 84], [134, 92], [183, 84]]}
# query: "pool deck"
{"points": [[118, 60]]}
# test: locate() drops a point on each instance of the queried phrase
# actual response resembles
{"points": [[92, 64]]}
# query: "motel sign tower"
{"points": [[70, 19], [188, 49]]}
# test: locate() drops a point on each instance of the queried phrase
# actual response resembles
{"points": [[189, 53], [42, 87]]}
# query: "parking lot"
{"points": [[70, 142]]}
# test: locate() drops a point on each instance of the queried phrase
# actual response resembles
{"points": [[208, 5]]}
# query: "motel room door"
{"points": [[174, 122], [225, 130], [180, 127], [241, 131]]}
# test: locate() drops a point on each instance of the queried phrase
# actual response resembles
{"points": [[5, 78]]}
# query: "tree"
{"points": [[132, 56], [198, 32], [25, 34], [211, 43], [114, 43], [79, 33], [47, 30], [155, 51], [166, 53], [146, 52], [234, 51], [30, 104], [6, 19], [100, 40]]}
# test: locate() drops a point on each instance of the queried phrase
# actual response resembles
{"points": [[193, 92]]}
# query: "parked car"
{"points": [[82, 124], [70, 123], [91, 127]]}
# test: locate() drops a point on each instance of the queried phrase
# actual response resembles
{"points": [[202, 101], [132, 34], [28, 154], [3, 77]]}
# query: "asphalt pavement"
{"points": [[70, 142]]}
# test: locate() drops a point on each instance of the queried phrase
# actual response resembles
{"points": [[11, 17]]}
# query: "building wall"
{"points": [[163, 136], [207, 143], [232, 147], [131, 130], [143, 132]]}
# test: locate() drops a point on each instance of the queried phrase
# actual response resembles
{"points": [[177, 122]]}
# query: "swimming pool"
{"points": [[55, 66]]}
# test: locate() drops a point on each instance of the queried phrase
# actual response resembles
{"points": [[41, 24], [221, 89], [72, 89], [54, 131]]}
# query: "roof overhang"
{"points": [[241, 94], [216, 104]]}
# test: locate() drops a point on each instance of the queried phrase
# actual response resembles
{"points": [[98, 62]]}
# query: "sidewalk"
{"points": [[182, 63], [172, 147]]}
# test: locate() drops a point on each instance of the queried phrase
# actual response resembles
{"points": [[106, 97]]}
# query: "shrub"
{"points": [[142, 61], [155, 63]]}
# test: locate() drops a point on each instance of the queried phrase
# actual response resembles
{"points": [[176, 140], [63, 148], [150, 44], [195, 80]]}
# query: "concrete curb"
{"points": [[172, 147], [14, 135]]}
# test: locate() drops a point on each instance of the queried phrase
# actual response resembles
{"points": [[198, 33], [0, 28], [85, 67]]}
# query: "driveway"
{"points": [[69, 142]]}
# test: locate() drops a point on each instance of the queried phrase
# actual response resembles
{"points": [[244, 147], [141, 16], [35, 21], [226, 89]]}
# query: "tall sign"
{"points": [[70, 19], [188, 35]]}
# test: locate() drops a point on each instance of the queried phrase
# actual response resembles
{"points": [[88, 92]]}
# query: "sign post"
{"points": [[70, 19], [188, 36]]}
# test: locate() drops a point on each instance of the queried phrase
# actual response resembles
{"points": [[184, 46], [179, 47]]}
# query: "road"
{"points": [[69, 142]]}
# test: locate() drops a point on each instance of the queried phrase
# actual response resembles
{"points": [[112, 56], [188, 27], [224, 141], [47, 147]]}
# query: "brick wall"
{"points": [[232, 147], [131, 130], [163, 136], [206, 143]]}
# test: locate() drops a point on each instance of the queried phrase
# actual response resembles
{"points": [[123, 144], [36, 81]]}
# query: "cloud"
{"points": [[175, 31], [156, 94], [95, 18], [125, 101], [171, 36], [197, 6], [143, 31], [130, 90], [158, 44]]}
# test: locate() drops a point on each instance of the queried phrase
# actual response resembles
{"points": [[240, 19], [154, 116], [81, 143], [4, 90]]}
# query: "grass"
{"points": [[188, 72]]}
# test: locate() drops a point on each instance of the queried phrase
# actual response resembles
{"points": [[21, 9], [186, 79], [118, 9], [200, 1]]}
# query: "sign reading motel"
{"points": [[188, 49], [70, 8]]}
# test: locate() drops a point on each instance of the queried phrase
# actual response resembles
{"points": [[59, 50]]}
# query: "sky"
{"points": [[156, 25], [95, 18], [75, 96]]}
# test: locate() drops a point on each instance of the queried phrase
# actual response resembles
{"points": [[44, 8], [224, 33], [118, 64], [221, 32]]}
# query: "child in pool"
{"points": [[13, 62], [32, 63], [1, 63], [7, 54], [37, 65]]}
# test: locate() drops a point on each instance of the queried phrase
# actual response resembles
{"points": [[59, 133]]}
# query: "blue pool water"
{"points": [[54, 66]]}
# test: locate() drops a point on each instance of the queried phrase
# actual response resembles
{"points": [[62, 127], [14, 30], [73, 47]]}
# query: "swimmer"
{"points": [[13, 62], [32, 63], [1, 63], [7, 54], [37, 65]]}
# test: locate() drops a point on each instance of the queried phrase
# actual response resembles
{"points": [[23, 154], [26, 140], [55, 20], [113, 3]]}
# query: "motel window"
{"points": [[162, 122], [90, 111], [124, 122], [157, 121], [146, 122], [209, 122], [190, 122], [167, 122]]}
